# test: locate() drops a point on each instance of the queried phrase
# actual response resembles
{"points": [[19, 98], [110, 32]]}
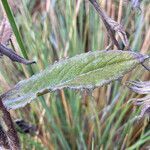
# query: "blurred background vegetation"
{"points": [[98, 119]]}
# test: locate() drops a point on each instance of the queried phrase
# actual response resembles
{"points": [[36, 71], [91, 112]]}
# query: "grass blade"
{"points": [[15, 30]]}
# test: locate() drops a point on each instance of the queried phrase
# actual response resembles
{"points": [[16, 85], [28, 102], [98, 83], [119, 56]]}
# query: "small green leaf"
{"points": [[84, 71]]}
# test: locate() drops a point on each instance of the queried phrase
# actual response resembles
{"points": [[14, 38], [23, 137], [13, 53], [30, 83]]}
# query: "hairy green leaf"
{"points": [[84, 71]]}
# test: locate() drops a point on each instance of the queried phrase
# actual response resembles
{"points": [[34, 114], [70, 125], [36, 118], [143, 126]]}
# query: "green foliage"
{"points": [[106, 121], [85, 71]]}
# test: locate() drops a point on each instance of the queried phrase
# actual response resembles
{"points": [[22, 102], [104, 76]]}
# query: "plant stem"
{"points": [[8, 127], [105, 20]]}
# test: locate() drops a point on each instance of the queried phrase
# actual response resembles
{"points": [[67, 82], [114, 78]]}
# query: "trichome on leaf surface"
{"points": [[84, 71]]}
